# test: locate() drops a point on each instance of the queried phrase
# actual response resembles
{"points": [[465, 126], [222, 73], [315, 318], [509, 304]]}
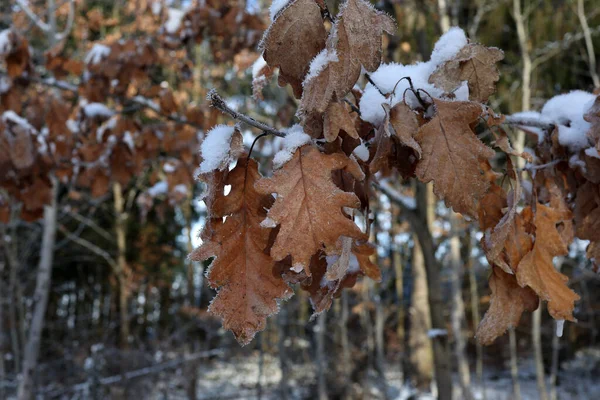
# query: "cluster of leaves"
{"points": [[303, 224], [110, 114]]}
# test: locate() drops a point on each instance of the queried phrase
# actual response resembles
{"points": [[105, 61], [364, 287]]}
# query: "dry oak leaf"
{"points": [[336, 119], [294, 38], [309, 206], [364, 252], [507, 304], [494, 239], [242, 271], [587, 217], [451, 155], [355, 40], [593, 117], [536, 269], [475, 64], [405, 124], [396, 146]]}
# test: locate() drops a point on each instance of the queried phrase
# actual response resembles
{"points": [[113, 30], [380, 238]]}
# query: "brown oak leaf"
{"points": [[536, 269], [587, 217], [451, 155], [309, 206], [355, 40], [243, 272], [337, 119], [475, 64], [364, 252], [296, 36], [507, 303], [494, 240], [593, 117], [395, 145]]}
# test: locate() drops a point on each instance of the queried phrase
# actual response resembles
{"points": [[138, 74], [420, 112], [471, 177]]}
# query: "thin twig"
{"points": [[532, 122], [218, 102], [88, 245]]}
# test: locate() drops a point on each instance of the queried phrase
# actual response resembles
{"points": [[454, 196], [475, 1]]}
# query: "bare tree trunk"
{"points": [[589, 45], [526, 70], [120, 223], [42, 291], [2, 346], [458, 311], [514, 367], [191, 368], [474, 310], [15, 337], [321, 360], [282, 320], [444, 17], [537, 352], [443, 372], [554, 371], [346, 360], [419, 344]]}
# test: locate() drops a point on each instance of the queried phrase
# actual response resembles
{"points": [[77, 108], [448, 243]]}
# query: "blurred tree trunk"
{"points": [[458, 309], [320, 359], [399, 278], [514, 367], [191, 368], [122, 276], [346, 360], [419, 344], [282, 321], [554, 370], [426, 210], [538, 352], [468, 261], [14, 322], [526, 71], [2, 345], [42, 291]]}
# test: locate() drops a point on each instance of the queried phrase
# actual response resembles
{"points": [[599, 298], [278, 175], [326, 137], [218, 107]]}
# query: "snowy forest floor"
{"points": [[237, 378]]}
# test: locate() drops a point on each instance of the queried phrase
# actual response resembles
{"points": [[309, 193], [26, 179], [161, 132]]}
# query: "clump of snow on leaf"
{"points": [[295, 138], [391, 79], [215, 148], [319, 63], [448, 45], [567, 111]]}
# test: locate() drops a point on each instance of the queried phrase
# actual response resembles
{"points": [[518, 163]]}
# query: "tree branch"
{"points": [[218, 102], [34, 18], [532, 122], [90, 246]]}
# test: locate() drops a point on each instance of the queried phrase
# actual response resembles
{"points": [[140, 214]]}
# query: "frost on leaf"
{"points": [[295, 37], [242, 271], [508, 301], [475, 64], [451, 155], [356, 40], [309, 206], [536, 269]]}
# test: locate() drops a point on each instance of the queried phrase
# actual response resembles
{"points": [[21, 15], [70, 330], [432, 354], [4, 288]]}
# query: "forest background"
{"points": [[124, 83]]}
